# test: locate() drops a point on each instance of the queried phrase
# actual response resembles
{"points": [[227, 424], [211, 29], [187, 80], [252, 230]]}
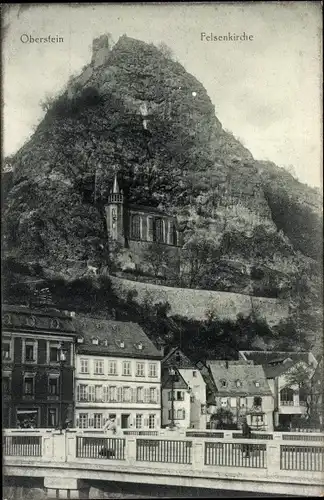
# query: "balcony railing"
{"points": [[287, 403]]}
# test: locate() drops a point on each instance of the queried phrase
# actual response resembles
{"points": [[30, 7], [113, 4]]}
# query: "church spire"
{"points": [[116, 189]]}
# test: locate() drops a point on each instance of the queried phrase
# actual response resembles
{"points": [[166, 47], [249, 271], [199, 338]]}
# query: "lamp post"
{"points": [[172, 373], [62, 359]]}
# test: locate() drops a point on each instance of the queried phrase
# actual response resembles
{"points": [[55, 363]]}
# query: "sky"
{"points": [[267, 90]]}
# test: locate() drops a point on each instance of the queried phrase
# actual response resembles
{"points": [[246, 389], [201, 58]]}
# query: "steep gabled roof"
{"points": [[179, 383], [182, 362], [111, 336], [251, 377]]}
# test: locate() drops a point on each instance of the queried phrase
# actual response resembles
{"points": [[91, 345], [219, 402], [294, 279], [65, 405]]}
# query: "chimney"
{"points": [[226, 365]]}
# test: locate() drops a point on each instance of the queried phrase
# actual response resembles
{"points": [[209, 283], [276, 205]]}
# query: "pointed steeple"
{"points": [[116, 189]]}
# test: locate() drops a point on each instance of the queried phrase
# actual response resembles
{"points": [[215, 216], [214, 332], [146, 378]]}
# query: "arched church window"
{"points": [[159, 233], [136, 227], [173, 234]]}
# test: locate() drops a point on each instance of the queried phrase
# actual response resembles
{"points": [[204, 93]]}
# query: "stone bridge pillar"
{"points": [[66, 488]]}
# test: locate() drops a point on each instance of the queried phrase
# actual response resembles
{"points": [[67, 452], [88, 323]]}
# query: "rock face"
{"points": [[137, 111]]}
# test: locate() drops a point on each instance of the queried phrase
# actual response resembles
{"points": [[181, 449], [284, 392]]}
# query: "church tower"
{"points": [[114, 213]]}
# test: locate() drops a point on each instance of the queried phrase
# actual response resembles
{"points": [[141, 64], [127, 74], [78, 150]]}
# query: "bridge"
{"points": [[69, 462]]}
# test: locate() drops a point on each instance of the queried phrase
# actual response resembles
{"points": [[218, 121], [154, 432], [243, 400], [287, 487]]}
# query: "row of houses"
{"points": [[59, 366]]}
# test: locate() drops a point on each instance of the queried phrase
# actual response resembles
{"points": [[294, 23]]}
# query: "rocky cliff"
{"points": [[137, 111]]}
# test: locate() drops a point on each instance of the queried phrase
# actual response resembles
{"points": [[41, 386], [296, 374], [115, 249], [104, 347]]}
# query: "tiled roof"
{"points": [[145, 208], [35, 320], [273, 371], [265, 357], [111, 334], [247, 374]]}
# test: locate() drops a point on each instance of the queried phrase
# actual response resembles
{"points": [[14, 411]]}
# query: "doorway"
{"points": [[125, 420]]}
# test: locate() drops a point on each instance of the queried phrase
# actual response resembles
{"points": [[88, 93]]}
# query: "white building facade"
{"points": [[188, 390], [118, 376]]}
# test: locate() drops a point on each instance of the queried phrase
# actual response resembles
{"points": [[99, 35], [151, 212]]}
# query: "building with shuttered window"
{"points": [[118, 375], [37, 385]]}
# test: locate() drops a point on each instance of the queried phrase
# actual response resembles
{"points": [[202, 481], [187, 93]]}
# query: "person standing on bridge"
{"points": [[246, 433]]}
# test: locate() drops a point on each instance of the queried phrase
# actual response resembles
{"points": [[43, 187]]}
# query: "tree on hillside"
{"points": [[199, 257], [300, 376], [158, 257], [165, 50]]}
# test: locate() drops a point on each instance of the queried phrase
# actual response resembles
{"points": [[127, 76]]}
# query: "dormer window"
{"points": [[7, 319], [31, 321], [55, 324], [238, 383], [98, 326], [122, 344], [140, 346], [223, 383], [105, 342], [95, 341], [80, 340], [257, 384]]}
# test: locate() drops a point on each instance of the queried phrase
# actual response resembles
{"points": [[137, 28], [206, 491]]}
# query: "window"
{"points": [[91, 393], [158, 230], [6, 350], [54, 354], [223, 383], [194, 374], [150, 234], [126, 394], [257, 420], [233, 402], [170, 414], [112, 368], [83, 420], [153, 395], [136, 227], [112, 393], [126, 368], [238, 383], [170, 396], [172, 233], [287, 396], [52, 417], [53, 385], [98, 393], [152, 370], [84, 366], [139, 369], [6, 384], [99, 366], [82, 392], [80, 340], [97, 420], [138, 421], [257, 384], [257, 401], [95, 341], [223, 402], [55, 324], [152, 421], [29, 385], [180, 396], [140, 394], [181, 414], [243, 402]]}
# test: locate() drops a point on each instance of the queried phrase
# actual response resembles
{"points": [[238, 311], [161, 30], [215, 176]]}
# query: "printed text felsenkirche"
{"points": [[229, 37]]}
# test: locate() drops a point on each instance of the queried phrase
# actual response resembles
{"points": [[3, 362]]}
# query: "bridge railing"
{"points": [[276, 456]]}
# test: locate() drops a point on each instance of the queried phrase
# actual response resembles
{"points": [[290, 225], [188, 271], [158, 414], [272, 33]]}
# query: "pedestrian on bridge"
{"points": [[246, 433]]}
